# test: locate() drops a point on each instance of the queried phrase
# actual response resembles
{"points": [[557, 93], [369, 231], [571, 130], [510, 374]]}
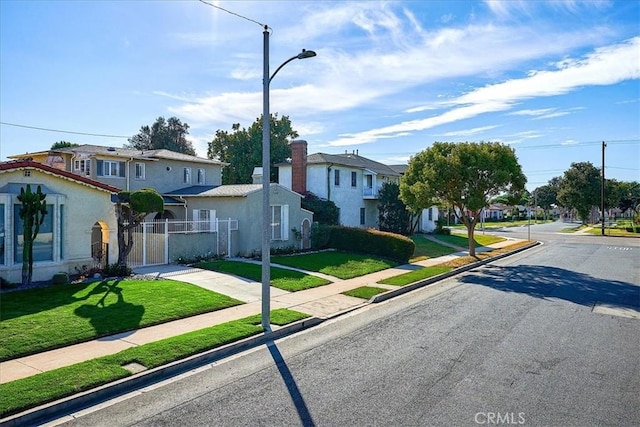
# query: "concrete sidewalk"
{"points": [[321, 302]]}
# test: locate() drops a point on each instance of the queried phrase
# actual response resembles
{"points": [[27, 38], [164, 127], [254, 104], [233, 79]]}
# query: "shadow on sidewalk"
{"points": [[292, 387]]}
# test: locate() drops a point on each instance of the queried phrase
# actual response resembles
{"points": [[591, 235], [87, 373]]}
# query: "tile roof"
{"points": [[27, 164]]}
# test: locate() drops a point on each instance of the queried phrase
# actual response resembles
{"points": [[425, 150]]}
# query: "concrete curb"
{"points": [[53, 410], [86, 399]]}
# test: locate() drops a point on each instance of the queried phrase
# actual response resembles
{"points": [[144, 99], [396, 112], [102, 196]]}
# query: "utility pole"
{"points": [[602, 190]]}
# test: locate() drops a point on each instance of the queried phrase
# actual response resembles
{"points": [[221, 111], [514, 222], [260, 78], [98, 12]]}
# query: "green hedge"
{"points": [[372, 242]]}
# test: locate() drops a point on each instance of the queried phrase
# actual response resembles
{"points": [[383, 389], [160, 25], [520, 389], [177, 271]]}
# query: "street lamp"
{"points": [[266, 169]]}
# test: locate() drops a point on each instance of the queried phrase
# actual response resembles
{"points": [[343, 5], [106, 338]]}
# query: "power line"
{"points": [[63, 131], [233, 13]]}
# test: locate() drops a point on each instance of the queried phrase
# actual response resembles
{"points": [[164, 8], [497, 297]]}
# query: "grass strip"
{"points": [[48, 386], [343, 265], [365, 292], [281, 278], [36, 320], [415, 275]]}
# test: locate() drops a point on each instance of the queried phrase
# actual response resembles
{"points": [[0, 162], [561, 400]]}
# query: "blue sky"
{"points": [[550, 78]]}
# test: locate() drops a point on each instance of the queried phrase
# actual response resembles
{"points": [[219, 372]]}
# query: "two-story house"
{"points": [[351, 181]]}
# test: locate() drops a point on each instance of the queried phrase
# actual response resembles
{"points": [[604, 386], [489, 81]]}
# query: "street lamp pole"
{"points": [[266, 172]]}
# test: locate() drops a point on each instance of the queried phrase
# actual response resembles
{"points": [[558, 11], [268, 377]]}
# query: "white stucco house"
{"points": [[349, 180]]}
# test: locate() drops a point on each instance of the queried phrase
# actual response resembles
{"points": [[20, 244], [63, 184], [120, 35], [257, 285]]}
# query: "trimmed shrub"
{"points": [[320, 234], [373, 242], [60, 278]]}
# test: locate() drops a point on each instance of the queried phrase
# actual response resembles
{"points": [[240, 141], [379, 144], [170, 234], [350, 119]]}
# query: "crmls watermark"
{"points": [[499, 418]]}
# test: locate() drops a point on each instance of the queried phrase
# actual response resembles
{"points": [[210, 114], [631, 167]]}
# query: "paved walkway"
{"points": [[322, 302]]}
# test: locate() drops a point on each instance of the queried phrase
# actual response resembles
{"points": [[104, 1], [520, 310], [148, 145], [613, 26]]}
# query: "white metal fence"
{"points": [[153, 242]]}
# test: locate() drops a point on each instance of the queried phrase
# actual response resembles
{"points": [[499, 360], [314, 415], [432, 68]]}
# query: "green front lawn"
{"points": [[36, 320], [463, 240], [426, 248], [343, 265], [282, 278], [48, 386]]}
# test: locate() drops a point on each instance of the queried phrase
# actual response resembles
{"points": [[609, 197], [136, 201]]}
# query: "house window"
{"points": [[362, 215], [353, 179], [110, 168], [430, 214], [204, 220], [369, 181], [186, 175], [280, 222], [140, 171], [200, 176], [42, 245], [82, 167], [336, 177]]}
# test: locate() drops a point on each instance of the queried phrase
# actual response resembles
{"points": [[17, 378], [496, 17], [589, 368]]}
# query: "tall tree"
{"points": [[463, 175], [131, 208], [545, 196], [32, 213], [169, 134], [242, 148], [580, 189], [393, 214], [63, 144]]}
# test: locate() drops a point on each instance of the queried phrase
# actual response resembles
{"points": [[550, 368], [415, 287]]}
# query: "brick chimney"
{"points": [[299, 166]]}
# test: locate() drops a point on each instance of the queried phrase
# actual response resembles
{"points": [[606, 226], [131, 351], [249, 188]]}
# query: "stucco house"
{"points": [[77, 229], [351, 181], [201, 216]]}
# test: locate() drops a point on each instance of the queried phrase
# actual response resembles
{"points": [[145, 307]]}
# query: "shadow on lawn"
{"points": [[108, 317], [550, 282]]}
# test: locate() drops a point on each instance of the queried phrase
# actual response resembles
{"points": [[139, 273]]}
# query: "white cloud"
{"points": [[605, 66], [468, 132]]}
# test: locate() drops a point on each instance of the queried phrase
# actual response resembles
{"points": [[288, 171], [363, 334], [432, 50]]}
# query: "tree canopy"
{"points": [[242, 148], [393, 215], [580, 188], [462, 175], [63, 144], [168, 134]]}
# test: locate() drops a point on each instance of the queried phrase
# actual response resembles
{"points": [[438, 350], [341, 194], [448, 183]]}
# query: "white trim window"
{"points": [[110, 168], [280, 222], [204, 220], [186, 175], [82, 167], [201, 176], [140, 171]]}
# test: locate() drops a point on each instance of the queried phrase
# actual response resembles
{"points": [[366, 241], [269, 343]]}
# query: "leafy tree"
{"points": [[325, 212], [580, 189], [629, 196], [393, 214], [169, 134], [131, 208], [463, 175], [546, 196], [242, 148], [63, 144], [32, 213]]}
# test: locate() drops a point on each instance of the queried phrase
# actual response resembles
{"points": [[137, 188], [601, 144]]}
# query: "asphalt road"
{"points": [[514, 343]]}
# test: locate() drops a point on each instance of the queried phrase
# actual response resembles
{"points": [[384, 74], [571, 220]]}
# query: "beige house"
{"points": [[80, 224]]}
